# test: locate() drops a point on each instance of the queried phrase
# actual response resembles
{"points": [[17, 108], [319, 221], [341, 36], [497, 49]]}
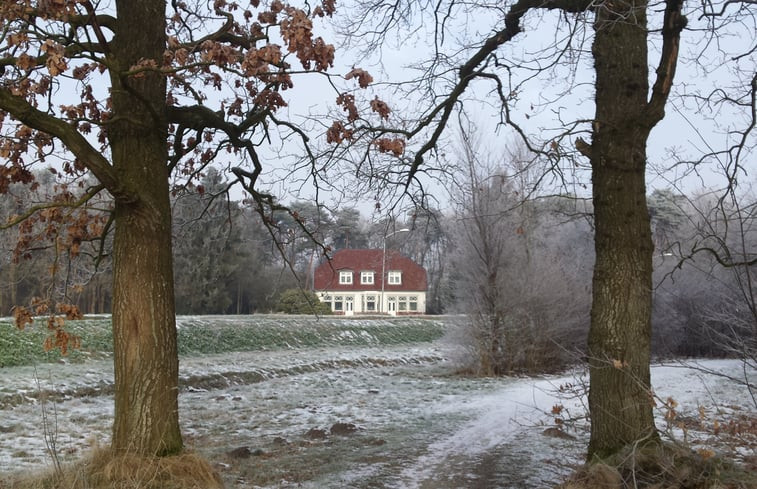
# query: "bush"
{"points": [[297, 301]]}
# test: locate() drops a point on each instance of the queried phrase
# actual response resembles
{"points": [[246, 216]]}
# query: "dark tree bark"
{"points": [[144, 325], [620, 397], [619, 339]]}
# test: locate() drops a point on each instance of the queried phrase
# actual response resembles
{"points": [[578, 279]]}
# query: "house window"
{"points": [[412, 303], [338, 303], [370, 303], [395, 278], [366, 277], [402, 303], [345, 277]]}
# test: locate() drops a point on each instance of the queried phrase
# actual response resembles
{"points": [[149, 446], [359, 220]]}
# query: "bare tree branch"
{"points": [[79, 146]]}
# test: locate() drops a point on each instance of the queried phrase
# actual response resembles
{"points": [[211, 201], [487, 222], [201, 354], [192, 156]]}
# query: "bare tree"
{"points": [[524, 287], [722, 252]]}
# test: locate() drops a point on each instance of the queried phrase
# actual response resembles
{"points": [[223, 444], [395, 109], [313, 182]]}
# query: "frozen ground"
{"points": [[264, 418]]}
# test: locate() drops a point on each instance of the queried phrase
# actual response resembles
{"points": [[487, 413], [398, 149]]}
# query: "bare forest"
{"points": [[520, 266]]}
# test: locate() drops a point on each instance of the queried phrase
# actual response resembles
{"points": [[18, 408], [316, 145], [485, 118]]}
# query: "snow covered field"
{"points": [[400, 417]]}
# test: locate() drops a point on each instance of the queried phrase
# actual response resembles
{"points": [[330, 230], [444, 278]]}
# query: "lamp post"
{"points": [[383, 264]]}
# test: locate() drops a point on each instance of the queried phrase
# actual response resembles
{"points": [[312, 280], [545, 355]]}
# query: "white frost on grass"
{"points": [[496, 420], [499, 419], [705, 382], [438, 430]]}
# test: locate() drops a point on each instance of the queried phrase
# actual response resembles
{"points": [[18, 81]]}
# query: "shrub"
{"points": [[297, 301]]}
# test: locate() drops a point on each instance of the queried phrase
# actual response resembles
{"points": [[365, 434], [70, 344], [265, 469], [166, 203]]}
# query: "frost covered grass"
{"points": [[271, 332], [25, 347], [198, 335], [363, 404]]}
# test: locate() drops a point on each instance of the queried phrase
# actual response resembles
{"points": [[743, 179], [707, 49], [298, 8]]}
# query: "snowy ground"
{"points": [[256, 415]]}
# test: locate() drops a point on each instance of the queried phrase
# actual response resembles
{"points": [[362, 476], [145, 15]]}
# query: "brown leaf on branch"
{"points": [[56, 63], [26, 62], [329, 6], [267, 17], [55, 322], [270, 99], [22, 317], [277, 6], [338, 133], [71, 311], [396, 146], [363, 77], [41, 306], [297, 32], [381, 108], [62, 340], [347, 101]]}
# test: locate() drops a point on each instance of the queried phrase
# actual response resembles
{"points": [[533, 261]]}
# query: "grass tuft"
{"points": [[102, 469], [594, 476]]}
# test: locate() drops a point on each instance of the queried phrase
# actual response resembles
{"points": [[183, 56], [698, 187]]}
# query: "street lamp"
{"points": [[383, 263]]}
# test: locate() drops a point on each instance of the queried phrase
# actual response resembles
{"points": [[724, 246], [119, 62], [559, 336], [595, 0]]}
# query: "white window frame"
{"points": [[367, 278], [345, 277], [394, 277]]}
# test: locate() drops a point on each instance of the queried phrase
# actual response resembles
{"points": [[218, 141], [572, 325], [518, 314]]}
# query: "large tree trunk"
{"points": [[144, 331], [144, 325], [619, 339]]}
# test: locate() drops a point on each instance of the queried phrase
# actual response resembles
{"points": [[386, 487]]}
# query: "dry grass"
{"points": [[664, 466], [104, 470]]}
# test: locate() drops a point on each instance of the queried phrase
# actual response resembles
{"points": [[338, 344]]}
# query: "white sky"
{"points": [[685, 130]]}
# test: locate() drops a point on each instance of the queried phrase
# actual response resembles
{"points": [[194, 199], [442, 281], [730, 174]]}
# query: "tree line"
{"points": [[227, 259], [520, 268]]}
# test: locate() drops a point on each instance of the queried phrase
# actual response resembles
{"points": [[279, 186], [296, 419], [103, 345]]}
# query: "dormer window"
{"points": [[394, 278], [366, 278], [345, 277]]}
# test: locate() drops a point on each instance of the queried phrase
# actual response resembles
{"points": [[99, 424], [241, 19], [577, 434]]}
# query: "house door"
{"points": [[349, 309], [392, 306]]}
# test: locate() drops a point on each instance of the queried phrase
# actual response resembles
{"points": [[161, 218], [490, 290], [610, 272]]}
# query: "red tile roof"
{"points": [[362, 260]]}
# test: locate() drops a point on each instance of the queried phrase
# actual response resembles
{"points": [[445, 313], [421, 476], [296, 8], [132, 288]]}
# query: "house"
{"points": [[352, 282]]}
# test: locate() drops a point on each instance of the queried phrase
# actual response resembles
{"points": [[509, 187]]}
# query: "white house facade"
{"points": [[364, 281]]}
